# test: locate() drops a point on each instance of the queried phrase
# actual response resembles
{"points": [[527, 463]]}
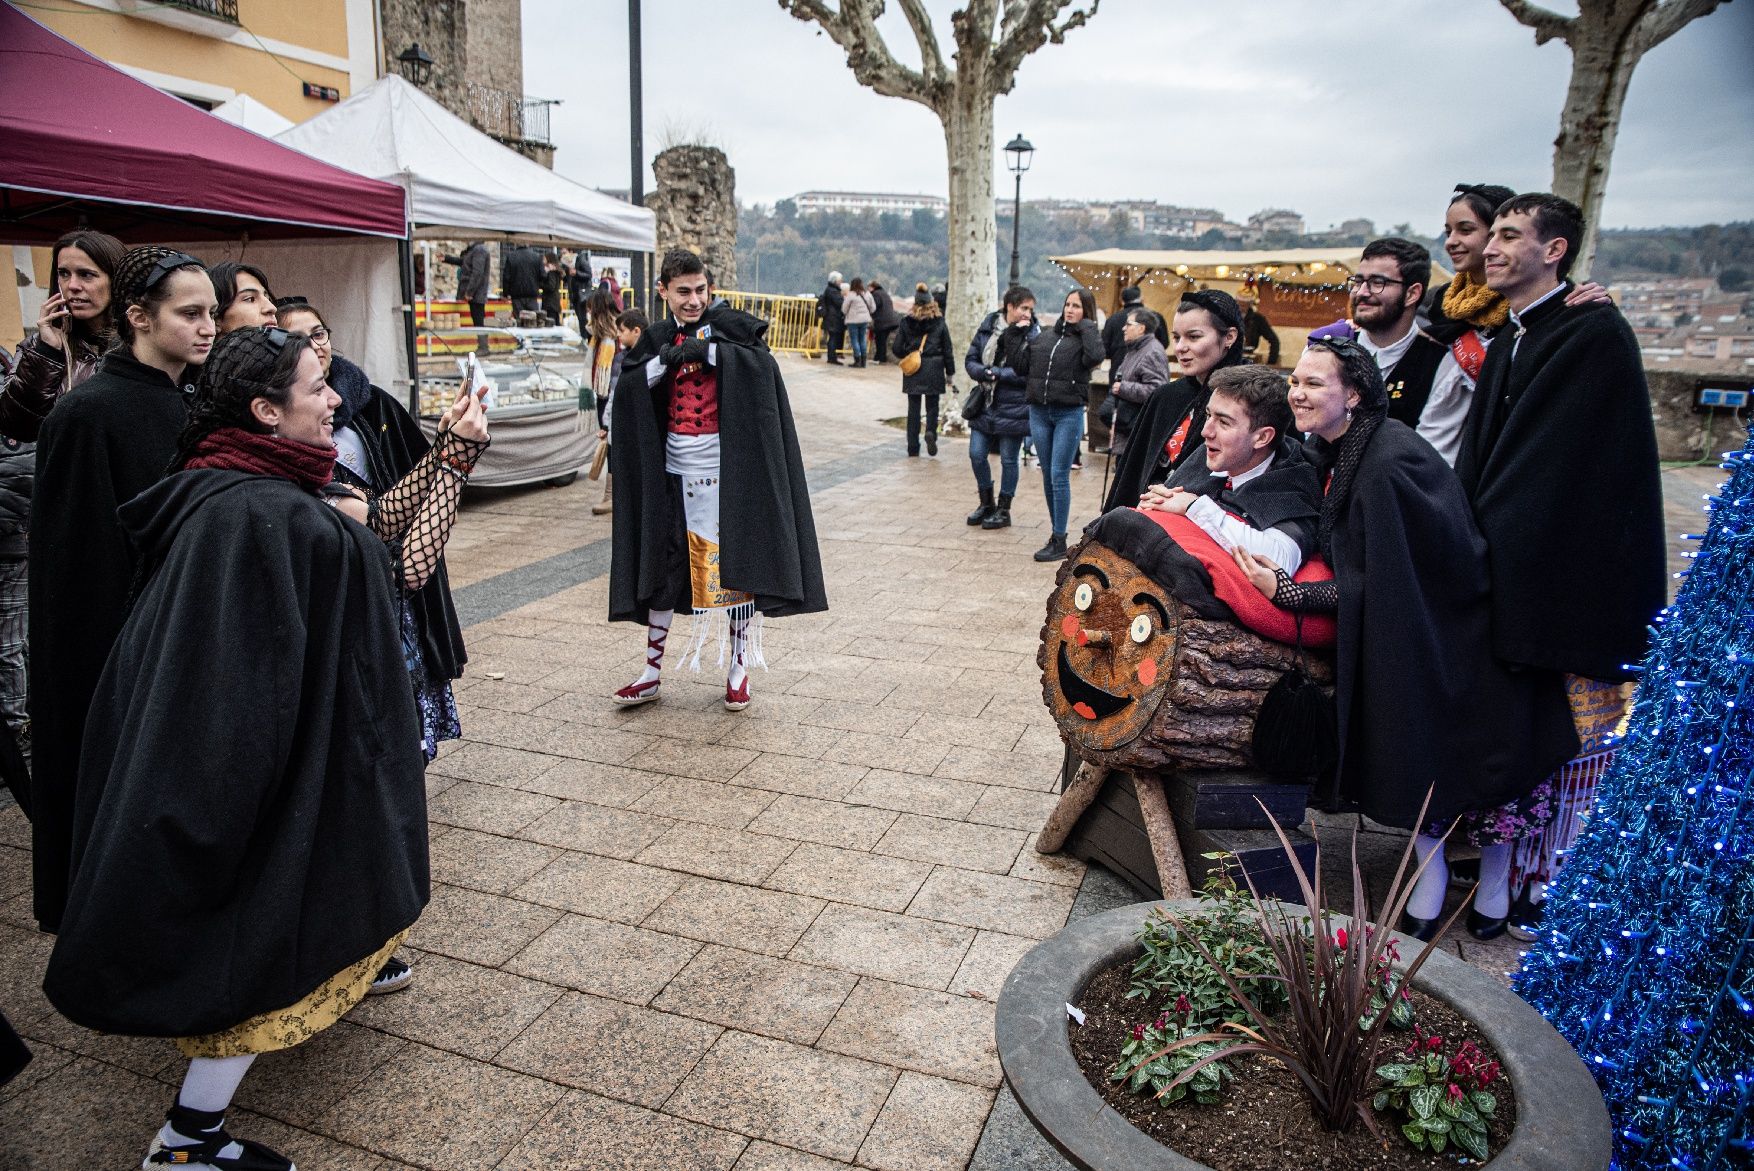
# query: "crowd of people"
{"points": [[532, 279], [241, 644]]}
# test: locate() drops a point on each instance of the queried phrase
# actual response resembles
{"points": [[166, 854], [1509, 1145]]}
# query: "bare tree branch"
{"points": [[1027, 25], [931, 58], [853, 26], [1665, 20], [1548, 25]]}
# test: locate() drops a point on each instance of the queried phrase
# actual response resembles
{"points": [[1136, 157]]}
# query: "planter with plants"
{"points": [[1234, 1033]]}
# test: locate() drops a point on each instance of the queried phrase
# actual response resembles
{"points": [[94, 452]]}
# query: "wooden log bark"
{"points": [[1184, 696], [1172, 869], [1073, 802]]}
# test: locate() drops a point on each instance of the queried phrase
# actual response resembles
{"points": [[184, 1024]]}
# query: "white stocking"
{"points": [[1427, 898], [208, 1087], [739, 654], [1493, 898], [659, 623]]}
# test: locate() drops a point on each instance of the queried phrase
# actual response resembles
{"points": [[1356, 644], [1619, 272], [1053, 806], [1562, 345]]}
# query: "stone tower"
{"points": [[696, 206]]}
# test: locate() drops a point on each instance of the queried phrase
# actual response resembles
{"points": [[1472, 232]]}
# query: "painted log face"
{"points": [[1137, 680]]}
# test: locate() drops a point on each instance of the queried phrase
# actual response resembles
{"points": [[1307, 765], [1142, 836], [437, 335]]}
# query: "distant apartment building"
{"points": [[1145, 216], [810, 202], [1357, 227], [1664, 302], [1276, 221]]}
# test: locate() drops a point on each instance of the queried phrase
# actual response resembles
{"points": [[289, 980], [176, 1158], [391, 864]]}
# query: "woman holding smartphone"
{"points": [[73, 330]]}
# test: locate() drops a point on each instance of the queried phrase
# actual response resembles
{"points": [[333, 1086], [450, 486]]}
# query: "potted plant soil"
{"points": [[1232, 1033]]}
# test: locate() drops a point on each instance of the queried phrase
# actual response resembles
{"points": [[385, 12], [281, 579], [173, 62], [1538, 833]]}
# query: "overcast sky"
{"points": [[1334, 108]]}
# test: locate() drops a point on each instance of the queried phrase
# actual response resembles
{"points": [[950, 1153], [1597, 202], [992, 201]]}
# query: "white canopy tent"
{"points": [[247, 112], [460, 182]]}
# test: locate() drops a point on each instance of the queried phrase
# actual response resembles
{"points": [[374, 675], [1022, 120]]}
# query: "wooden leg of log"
{"points": [[1078, 797], [1172, 870]]}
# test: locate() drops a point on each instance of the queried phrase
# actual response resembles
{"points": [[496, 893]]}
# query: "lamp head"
{"points": [[416, 64], [1018, 154]]}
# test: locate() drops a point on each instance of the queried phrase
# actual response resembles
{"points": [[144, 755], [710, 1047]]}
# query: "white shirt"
{"points": [[1387, 356], [1516, 316], [1446, 411], [1231, 533], [350, 453]]}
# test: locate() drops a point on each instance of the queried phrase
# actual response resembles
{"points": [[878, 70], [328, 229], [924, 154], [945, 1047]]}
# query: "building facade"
{"points": [[812, 202]]}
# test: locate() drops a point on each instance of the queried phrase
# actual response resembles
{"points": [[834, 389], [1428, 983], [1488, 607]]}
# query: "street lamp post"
{"points": [[416, 64], [1018, 155]]}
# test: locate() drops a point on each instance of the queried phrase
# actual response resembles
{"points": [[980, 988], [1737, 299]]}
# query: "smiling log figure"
{"points": [[1142, 667]]}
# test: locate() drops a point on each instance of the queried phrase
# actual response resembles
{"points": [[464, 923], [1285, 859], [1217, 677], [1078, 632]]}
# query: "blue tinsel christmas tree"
{"points": [[1646, 961]]}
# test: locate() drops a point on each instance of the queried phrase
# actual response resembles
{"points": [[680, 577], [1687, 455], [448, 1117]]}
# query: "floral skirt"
{"points": [[296, 1023], [436, 702]]}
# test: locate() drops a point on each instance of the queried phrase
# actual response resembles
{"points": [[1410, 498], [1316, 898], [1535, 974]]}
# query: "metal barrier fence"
{"points": [[791, 321]]}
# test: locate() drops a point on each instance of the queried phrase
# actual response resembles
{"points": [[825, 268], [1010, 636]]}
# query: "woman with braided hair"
{"points": [[250, 842], [104, 443], [1422, 703]]}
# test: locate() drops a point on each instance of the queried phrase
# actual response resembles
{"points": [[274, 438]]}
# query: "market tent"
{"points": [[81, 141], [460, 182], [147, 167], [247, 112], [1296, 287]]}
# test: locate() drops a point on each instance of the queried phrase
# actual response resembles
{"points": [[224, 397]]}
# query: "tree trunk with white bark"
{"points": [[974, 278], [1607, 39]]}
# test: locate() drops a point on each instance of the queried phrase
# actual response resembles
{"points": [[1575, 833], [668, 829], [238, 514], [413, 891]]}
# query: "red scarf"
{"points": [[233, 449]]}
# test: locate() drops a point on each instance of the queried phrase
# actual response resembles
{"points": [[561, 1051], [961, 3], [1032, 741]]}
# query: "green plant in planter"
{"points": [[1328, 1036], [1225, 926], [1441, 1100], [1147, 1061]]}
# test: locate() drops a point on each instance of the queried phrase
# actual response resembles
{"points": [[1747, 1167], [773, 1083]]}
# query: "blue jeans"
{"points": [[980, 446], [1056, 432], [856, 331]]}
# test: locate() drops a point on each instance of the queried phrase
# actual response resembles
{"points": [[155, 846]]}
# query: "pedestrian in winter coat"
{"points": [[831, 313], [1112, 345], [472, 283], [1057, 367], [857, 307], [551, 281], [924, 330], [1143, 366], [521, 275], [75, 319], [998, 350], [884, 320]]}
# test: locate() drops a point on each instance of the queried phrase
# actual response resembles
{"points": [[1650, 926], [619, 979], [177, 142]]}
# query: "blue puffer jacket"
{"points": [[1008, 413]]}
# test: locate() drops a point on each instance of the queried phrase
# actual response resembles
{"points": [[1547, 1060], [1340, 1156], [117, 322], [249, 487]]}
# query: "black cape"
{"points": [[1287, 496], [1559, 457], [107, 441], [767, 535], [252, 813], [1143, 465], [393, 444], [1421, 700]]}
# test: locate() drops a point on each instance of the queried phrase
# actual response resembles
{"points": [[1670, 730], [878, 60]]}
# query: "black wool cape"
{"points": [[1559, 456], [1156, 424], [252, 810], [1421, 700], [1287, 496], [767, 535], [107, 441]]}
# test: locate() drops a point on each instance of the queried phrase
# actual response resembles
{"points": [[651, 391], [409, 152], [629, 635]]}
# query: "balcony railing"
{"points": [[226, 10], [509, 115], [208, 18]]}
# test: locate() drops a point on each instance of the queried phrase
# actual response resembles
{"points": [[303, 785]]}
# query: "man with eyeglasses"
{"points": [[1386, 291]]}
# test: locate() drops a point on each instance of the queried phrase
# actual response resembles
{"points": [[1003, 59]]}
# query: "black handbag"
{"points": [[1297, 730], [977, 400]]}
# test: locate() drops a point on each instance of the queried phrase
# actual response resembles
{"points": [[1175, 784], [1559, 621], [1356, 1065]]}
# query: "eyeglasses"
{"points": [[168, 264], [1375, 282], [318, 335]]}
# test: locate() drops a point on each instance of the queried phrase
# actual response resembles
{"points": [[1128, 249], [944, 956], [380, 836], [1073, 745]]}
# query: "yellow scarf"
{"points": [[1469, 300]]}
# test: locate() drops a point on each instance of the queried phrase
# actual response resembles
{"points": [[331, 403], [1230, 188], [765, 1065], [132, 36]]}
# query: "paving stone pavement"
{"points": [[674, 937]]}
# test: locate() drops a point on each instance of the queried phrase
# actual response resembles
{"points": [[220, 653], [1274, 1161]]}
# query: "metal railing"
{"points": [[508, 114], [226, 10], [791, 321]]}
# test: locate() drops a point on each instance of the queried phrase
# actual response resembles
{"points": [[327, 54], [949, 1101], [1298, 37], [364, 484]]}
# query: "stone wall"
{"points": [[496, 43], [441, 27], [1682, 432], [696, 206]]}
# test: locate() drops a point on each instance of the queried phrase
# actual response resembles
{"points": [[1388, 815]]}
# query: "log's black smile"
{"points": [[1088, 700]]}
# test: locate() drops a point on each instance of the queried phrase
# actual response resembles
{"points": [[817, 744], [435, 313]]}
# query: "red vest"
{"points": [[694, 398]]}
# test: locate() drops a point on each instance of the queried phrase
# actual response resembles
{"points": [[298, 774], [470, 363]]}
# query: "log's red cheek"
{"points": [[1148, 673], [1071, 627]]}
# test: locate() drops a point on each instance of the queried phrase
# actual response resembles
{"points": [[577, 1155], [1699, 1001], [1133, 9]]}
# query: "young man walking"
{"points": [[712, 512]]}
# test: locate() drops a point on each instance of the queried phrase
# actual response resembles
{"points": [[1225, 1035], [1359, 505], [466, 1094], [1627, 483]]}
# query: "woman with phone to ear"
{"points": [[73, 331]]}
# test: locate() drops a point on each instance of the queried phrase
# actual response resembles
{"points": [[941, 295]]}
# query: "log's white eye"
{"points": [[1140, 631], [1083, 596]]}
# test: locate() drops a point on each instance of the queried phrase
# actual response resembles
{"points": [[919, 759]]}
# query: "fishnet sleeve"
{"points": [[415, 517], [1310, 597]]}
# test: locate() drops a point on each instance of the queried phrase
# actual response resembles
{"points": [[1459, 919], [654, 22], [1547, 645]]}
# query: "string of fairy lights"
{"points": [[1300, 283]]}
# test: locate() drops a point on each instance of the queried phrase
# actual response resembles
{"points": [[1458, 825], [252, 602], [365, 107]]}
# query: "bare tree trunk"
{"points": [[1607, 39], [974, 275]]}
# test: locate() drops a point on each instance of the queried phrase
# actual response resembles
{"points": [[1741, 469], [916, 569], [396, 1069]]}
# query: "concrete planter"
{"points": [[1562, 1124]]}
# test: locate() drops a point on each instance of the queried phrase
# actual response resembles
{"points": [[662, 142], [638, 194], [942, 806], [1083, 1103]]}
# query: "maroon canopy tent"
{"points": [[81, 141]]}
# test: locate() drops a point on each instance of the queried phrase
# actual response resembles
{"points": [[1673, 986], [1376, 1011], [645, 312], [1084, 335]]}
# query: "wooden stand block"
{"points": [[1233, 799]]}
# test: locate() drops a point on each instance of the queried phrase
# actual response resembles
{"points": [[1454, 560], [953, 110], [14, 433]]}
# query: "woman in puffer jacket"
{"points": [[73, 330], [1057, 367]]}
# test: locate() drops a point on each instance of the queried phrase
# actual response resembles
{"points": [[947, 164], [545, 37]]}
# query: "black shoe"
{"points": [[932, 446], [1054, 550], [1424, 930], [1525, 918], [985, 510], [1001, 518], [206, 1153], [394, 976], [836, 362], [1481, 927]]}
